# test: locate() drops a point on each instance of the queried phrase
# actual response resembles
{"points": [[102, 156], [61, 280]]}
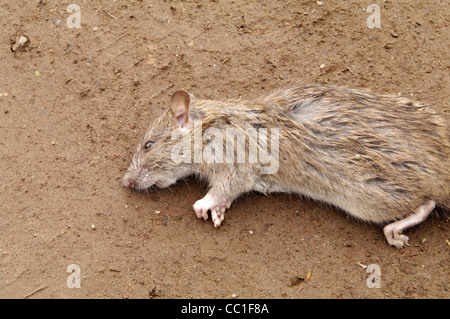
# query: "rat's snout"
{"points": [[129, 184], [128, 181]]}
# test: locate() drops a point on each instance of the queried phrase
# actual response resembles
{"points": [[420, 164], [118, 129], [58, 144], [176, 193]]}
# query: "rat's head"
{"points": [[152, 163]]}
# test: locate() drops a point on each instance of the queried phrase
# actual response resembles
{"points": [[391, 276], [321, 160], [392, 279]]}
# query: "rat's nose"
{"points": [[127, 181]]}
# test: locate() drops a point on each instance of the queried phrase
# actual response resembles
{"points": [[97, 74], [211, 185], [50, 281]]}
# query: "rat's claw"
{"points": [[199, 209], [217, 215]]}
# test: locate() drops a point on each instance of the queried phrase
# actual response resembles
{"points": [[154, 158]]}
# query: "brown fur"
{"points": [[376, 157]]}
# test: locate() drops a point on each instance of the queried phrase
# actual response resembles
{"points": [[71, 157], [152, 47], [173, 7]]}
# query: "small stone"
{"points": [[20, 43], [56, 21], [41, 3]]}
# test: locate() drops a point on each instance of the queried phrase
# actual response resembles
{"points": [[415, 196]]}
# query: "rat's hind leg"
{"points": [[393, 231]]}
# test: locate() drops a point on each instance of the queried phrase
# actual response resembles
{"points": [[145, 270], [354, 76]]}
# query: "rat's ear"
{"points": [[179, 104]]}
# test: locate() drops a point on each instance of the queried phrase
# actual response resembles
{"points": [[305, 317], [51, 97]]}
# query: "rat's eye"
{"points": [[148, 145]]}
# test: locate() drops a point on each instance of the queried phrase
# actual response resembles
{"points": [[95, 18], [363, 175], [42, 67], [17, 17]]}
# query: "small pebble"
{"points": [[56, 21], [93, 226], [20, 43]]}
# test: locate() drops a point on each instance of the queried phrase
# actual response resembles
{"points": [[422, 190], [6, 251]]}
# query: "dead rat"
{"points": [[379, 158]]}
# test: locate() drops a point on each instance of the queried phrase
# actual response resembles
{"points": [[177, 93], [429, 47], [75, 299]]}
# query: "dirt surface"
{"points": [[75, 101]]}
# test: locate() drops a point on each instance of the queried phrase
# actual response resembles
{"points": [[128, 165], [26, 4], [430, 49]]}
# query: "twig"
{"points": [[135, 63], [35, 291], [348, 68], [109, 14]]}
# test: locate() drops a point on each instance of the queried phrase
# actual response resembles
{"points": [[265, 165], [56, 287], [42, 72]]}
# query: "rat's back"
{"points": [[377, 157]]}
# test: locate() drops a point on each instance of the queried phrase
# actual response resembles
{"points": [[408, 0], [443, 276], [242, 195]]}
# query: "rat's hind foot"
{"points": [[394, 236], [393, 231]]}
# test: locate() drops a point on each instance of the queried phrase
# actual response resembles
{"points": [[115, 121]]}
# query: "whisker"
{"points": [[184, 180], [169, 179], [153, 188]]}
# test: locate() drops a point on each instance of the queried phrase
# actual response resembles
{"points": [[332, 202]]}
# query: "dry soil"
{"points": [[75, 101]]}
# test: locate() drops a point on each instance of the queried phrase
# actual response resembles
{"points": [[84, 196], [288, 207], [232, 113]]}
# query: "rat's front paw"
{"points": [[202, 206], [217, 209]]}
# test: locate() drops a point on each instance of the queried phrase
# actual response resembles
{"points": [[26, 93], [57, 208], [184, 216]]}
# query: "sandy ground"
{"points": [[75, 101]]}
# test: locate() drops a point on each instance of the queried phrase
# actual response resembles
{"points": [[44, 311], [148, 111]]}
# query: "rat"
{"points": [[383, 159]]}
